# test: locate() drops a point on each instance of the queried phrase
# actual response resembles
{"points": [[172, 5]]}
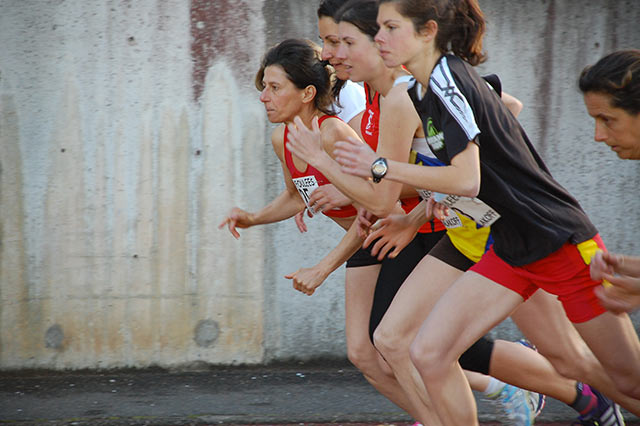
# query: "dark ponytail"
{"points": [[461, 24]]}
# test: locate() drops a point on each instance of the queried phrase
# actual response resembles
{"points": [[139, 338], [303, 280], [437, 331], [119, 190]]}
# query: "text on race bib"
{"points": [[472, 208], [305, 186]]}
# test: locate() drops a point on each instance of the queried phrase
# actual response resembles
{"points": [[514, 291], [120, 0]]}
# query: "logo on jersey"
{"points": [[369, 128], [435, 138], [448, 88]]}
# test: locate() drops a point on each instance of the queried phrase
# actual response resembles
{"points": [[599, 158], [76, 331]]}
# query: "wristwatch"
{"points": [[379, 169]]}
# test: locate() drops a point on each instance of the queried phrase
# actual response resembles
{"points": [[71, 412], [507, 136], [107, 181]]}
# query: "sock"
{"points": [[494, 388], [586, 399]]}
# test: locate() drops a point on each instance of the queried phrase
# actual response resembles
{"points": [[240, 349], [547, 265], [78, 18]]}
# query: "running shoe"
{"points": [[517, 405], [606, 413], [539, 399]]}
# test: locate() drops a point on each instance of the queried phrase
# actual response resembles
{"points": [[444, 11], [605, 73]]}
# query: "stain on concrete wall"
{"points": [[13, 261], [223, 29]]}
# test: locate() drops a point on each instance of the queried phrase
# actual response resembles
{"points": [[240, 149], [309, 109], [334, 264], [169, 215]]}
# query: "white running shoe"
{"points": [[517, 405]]}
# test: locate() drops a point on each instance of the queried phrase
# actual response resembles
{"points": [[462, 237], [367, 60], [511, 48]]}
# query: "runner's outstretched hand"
{"points": [[237, 218]]}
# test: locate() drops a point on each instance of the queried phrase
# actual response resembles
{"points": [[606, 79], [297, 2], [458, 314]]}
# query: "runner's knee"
{"points": [[391, 344], [427, 356], [362, 355]]}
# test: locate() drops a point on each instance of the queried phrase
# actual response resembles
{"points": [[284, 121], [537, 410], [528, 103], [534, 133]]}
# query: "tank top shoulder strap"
{"points": [[367, 91], [403, 79], [288, 159], [287, 154], [324, 117]]}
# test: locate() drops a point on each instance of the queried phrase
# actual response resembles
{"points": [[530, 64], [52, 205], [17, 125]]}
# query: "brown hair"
{"points": [[300, 60], [461, 24], [616, 75]]}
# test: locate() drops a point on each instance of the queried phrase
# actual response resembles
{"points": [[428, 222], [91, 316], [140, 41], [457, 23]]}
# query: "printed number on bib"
{"points": [[306, 185], [473, 208]]}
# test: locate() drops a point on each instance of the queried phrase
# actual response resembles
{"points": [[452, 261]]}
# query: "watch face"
{"points": [[379, 168]]}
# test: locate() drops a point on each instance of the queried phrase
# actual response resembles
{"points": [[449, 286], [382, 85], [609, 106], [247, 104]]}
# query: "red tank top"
{"points": [[310, 174], [370, 128], [370, 124]]}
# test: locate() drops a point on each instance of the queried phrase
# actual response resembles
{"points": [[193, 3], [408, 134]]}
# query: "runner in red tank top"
{"points": [[310, 179], [294, 82]]}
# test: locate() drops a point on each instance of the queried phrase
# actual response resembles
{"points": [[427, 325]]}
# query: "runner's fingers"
{"points": [[385, 249], [611, 302], [396, 251], [223, 223], [622, 284], [232, 228], [370, 238], [377, 246], [299, 218]]}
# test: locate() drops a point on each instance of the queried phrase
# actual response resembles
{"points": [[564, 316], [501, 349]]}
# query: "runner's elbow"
{"points": [[471, 189]]}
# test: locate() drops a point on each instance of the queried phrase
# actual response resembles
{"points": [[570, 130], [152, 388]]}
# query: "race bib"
{"points": [[306, 185], [473, 208]]}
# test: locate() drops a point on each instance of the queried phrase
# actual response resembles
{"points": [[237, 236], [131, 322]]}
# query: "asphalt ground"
{"points": [[328, 393]]}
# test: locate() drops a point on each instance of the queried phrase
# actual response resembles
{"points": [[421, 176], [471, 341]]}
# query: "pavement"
{"points": [[321, 393]]}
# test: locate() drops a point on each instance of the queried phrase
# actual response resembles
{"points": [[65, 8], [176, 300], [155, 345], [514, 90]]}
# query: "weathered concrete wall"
{"points": [[128, 129]]}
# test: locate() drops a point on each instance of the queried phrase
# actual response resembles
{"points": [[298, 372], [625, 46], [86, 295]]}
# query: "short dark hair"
{"points": [[301, 61], [617, 75]]}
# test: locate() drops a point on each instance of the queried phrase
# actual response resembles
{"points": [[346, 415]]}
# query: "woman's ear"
{"points": [[309, 94], [429, 30]]}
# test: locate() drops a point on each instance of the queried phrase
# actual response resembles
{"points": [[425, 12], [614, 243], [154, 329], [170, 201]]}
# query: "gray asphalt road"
{"points": [[290, 394]]}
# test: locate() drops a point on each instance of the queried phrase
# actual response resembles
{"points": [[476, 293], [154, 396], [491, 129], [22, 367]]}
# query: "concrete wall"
{"points": [[128, 129]]}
